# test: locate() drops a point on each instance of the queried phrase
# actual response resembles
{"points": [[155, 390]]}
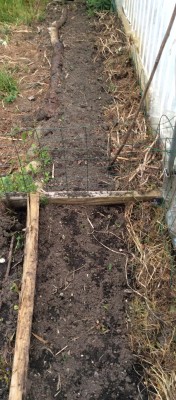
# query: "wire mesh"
{"points": [[56, 158]]}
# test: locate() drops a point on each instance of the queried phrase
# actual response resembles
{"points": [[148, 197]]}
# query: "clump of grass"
{"points": [[18, 11], [98, 5], [8, 87], [152, 311]]}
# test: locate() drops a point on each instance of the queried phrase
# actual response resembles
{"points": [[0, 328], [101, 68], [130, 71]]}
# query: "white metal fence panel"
{"points": [[149, 20]]}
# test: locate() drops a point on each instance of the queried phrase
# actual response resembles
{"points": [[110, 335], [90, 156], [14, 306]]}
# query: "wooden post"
{"points": [[26, 303]]}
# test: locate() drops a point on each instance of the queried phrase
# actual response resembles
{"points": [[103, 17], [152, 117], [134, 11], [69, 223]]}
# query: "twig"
{"points": [[106, 247], [9, 138], [10, 257], [118, 151], [47, 59], [60, 351], [17, 263], [52, 171], [40, 338]]}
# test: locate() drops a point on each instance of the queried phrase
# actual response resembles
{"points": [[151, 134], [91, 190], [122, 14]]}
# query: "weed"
{"points": [[18, 11], [8, 87], [19, 240], [47, 176], [4, 371], [98, 5], [14, 288], [44, 156], [112, 88], [19, 182], [109, 267], [43, 200], [65, 357], [106, 307]]}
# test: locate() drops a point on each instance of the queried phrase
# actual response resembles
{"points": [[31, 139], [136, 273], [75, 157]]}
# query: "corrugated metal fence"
{"points": [[147, 21]]}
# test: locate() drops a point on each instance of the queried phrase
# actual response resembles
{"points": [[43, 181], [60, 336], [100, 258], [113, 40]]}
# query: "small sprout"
{"points": [[15, 307], [106, 306], [24, 136], [109, 267], [19, 240], [14, 288]]}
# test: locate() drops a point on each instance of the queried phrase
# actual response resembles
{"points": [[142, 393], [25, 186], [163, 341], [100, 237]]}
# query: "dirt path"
{"points": [[77, 134]]}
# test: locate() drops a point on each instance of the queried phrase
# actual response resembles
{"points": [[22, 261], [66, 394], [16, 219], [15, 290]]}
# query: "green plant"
{"points": [[8, 86], [19, 240], [47, 176], [14, 288], [43, 200], [44, 156], [17, 11], [106, 307], [98, 5], [17, 182], [4, 371], [109, 267]]}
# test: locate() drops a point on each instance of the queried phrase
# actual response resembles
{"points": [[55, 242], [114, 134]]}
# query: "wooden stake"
{"points": [[118, 151], [26, 304]]}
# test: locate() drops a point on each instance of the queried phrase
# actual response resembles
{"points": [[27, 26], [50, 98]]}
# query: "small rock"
{"points": [[96, 374], [38, 132], [32, 151], [39, 185], [31, 98], [2, 260], [33, 166]]}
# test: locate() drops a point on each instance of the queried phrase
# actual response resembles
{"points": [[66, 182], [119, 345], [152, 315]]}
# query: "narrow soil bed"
{"points": [[82, 350], [77, 133], [11, 226]]}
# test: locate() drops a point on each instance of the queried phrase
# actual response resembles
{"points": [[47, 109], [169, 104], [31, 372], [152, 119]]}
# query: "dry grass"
{"points": [[152, 312], [140, 161]]}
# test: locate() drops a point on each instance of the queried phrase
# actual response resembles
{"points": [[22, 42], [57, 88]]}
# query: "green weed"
{"points": [[19, 182], [98, 5], [14, 288], [109, 267], [19, 240], [4, 371], [44, 156], [18, 11], [8, 87]]}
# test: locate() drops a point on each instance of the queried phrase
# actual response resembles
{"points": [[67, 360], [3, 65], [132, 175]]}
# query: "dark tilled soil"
{"points": [[80, 307], [77, 134], [10, 224]]}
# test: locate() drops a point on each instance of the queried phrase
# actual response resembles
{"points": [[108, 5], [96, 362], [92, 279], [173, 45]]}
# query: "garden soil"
{"points": [[80, 345]]}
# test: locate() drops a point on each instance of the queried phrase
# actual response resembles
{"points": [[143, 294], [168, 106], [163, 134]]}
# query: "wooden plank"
{"points": [[87, 198], [26, 303]]}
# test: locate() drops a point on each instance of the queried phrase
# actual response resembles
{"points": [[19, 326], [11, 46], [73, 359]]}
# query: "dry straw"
{"points": [[140, 161]]}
